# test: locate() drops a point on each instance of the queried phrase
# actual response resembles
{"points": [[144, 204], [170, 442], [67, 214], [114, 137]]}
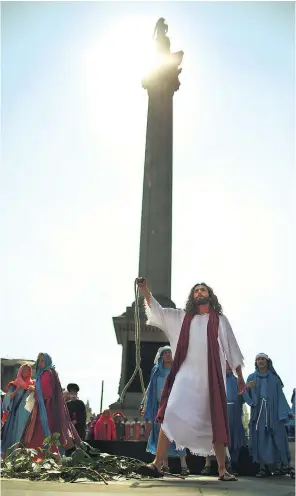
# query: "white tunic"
{"points": [[187, 419]]}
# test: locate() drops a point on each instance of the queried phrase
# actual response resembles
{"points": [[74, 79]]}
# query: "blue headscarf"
{"points": [[42, 409], [157, 371]]}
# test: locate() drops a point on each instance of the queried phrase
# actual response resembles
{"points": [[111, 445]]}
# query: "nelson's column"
{"points": [[156, 222]]}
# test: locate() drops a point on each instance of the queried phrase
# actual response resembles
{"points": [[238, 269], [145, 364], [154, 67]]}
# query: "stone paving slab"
{"points": [[193, 485]]}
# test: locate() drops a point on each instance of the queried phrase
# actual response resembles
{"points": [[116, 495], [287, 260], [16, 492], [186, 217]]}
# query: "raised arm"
{"points": [[169, 320]]}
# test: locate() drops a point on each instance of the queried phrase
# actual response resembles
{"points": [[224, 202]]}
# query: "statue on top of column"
{"points": [[167, 63], [163, 43]]}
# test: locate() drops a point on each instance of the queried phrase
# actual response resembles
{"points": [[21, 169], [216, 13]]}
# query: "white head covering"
{"points": [[270, 365], [262, 355], [160, 352]]}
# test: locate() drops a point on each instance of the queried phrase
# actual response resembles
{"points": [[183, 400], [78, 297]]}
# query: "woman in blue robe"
{"points": [[14, 404], [270, 413], [235, 403], [150, 405], [237, 433]]}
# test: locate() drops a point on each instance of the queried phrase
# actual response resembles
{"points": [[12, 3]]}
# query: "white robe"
{"points": [[187, 419]]}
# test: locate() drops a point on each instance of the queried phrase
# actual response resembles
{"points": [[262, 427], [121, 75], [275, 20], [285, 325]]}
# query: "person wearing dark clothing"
{"points": [[77, 410], [119, 425]]}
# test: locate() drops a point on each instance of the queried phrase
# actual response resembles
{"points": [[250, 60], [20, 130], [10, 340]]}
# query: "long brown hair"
{"points": [[190, 307]]}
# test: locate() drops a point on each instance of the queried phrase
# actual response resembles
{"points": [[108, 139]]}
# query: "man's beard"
{"points": [[202, 301]]}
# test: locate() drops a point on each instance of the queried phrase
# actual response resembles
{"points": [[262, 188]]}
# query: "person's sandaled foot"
{"points": [[206, 471], [227, 477], [185, 471], [165, 469], [150, 470], [278, 473], [263, 473]]}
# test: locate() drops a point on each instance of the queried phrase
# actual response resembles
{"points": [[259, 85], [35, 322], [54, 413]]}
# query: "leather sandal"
{"points": [[150, 470], [185, 471], [278, 472], [206, 471], [263, 473], [227, 477]]}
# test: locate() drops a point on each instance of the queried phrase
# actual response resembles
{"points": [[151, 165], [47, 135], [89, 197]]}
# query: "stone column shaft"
{"points": [[156, 226]]}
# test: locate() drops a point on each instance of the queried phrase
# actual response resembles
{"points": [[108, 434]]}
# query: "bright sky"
{"points": [[73, 138]]}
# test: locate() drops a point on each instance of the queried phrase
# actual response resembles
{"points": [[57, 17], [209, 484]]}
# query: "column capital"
{"points": [[165, 75]]}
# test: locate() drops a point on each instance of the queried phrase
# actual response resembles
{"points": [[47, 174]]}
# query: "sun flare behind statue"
{"points": [[125, 50], [112, 68]]}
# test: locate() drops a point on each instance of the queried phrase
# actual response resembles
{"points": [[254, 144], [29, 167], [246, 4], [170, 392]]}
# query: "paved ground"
{"points": [[193, 485]]}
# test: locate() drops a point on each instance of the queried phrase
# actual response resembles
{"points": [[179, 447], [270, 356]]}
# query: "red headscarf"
{"points": [[118, 414], [20, 382], [105, 429]]}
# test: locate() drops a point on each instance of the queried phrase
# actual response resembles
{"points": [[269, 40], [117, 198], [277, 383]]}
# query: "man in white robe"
{"points": [[187, 420]]}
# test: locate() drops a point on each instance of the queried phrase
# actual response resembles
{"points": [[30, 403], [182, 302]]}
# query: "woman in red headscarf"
{"points": [[118, 418], [14, 403], [105, 429]]}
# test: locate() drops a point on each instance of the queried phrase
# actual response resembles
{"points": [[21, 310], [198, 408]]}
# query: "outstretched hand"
{"points": [[241, 385]]}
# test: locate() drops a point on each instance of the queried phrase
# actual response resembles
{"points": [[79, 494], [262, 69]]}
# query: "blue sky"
{"points": [[73, 137]]}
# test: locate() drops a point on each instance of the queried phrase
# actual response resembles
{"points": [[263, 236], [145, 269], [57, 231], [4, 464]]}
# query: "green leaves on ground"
{"points": [[85, 463]]}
